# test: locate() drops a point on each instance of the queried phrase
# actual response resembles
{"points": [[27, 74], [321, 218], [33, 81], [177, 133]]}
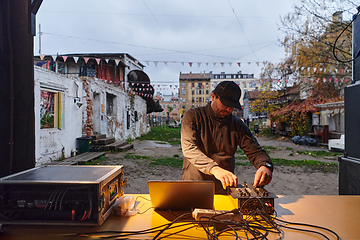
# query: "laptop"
{"points": [[182, 195]]}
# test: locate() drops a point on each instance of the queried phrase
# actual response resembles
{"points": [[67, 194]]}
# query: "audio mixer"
{"points": [[249, 199]]}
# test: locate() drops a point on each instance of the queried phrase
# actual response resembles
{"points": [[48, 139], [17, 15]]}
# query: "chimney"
{"points": [[337, 17]]}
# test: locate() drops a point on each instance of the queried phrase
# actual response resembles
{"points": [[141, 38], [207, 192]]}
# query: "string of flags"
{"points": [[199, 63], [322, 68]]}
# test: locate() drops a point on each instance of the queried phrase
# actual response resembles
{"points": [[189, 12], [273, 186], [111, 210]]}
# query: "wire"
{"points": [[308, 225], [258, 224], [334, 45]]}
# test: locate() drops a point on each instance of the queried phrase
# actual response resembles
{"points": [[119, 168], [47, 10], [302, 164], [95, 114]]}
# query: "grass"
{"points": [[96, 161], [131, 156], [321, 153], [168, 161], [240, 151], [163, 133], [316, 165], [174, 162]]}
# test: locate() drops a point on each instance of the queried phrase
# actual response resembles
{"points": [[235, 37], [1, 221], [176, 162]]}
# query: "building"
{"points": [[73, 102], [195, 88], [248, 98], [167, 102]]}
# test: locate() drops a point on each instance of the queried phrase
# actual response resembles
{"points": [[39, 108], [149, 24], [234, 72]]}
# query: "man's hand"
{"points": [[227, 178], [263, 176]]}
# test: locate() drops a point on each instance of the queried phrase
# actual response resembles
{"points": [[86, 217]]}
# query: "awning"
{"points": [[139, 81]]}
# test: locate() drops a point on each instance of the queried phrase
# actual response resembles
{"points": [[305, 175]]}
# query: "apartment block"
{"points": [[195, 88]]}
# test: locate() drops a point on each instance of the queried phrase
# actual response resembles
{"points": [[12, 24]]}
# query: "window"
{"points": [[183, 92], [51, 109], [174, 106], [228, 76], [192, 92], [252, 84], [136, 116], [127, 120], [61, 67], [207, 91], [110, 104]]}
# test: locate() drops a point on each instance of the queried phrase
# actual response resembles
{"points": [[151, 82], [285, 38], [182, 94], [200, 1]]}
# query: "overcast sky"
{"points": [[166, 35]]}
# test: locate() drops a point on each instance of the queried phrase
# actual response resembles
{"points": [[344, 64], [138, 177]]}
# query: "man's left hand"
{"points": [[263, 176]]}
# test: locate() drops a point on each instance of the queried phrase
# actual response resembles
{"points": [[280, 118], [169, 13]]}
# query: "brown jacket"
{"points": [[209, 141]]}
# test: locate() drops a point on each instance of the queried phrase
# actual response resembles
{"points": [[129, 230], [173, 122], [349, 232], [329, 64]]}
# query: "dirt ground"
{"points": [[286, 180]]}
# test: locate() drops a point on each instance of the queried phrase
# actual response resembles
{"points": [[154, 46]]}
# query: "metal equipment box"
{"points": [[60, 195]]}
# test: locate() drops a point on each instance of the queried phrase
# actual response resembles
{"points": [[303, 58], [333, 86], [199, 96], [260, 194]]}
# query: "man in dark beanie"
{"points": [[210, 136]]}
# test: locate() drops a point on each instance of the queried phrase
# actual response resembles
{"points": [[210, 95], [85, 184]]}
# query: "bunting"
{"points": [[321, 69]]}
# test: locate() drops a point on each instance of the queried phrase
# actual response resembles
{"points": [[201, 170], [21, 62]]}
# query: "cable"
{"points": [[257, 225], [334, 45], [308, 225]]}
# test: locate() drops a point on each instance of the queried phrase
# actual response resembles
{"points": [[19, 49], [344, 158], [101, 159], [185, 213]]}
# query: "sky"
{"points": [[167, 36]]}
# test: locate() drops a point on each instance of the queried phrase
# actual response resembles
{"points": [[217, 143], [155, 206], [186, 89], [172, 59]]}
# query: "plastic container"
{"points": [[256, 128], [83, 144]]}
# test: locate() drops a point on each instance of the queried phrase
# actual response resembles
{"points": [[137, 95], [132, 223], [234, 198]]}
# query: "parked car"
{"points": [[337, 144]]}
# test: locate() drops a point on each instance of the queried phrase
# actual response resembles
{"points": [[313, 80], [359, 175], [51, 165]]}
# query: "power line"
{"points": [[157, 15], [243, 30], [161, 27], [168, 51]]}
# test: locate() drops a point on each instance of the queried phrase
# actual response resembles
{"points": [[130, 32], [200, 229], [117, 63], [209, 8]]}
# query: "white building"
{"points": [[69, 108]]}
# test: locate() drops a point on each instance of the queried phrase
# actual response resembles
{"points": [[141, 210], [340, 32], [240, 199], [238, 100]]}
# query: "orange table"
{"points": [[338, 213]]}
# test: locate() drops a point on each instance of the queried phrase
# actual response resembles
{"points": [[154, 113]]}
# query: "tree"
{"points": [[169, 110], [311, 30]]}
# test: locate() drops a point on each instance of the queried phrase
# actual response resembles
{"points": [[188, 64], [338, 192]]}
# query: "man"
{"points": [[210, 136]]}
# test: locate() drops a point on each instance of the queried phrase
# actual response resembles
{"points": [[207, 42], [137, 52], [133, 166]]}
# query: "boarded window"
{"points": [[110, 104]]}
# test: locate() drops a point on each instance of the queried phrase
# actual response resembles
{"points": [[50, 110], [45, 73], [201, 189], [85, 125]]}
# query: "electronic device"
{"points": [[248, 199], [182, 195], [66, 195], [205, 214]]}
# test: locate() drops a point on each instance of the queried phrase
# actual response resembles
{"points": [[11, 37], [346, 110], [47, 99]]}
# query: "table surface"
{"points": [[338, 213]]}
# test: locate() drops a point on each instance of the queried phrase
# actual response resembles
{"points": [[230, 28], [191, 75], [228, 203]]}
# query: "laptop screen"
{"points": [[182, 195]]}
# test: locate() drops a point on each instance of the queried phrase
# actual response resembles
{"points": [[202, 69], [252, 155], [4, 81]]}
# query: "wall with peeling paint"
{"points": [[95, 116], [101, 118], [56, 143]]}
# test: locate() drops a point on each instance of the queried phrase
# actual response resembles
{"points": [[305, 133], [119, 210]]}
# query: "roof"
{"points": [[193, 76], [293, 90], [339, 104], [252, 94], [99, 55]]}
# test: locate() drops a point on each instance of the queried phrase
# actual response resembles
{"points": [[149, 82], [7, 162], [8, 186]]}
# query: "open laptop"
{"points": [[182, 195]]}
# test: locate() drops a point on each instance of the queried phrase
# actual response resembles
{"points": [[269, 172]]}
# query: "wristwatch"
{"points": [[268, 165]]}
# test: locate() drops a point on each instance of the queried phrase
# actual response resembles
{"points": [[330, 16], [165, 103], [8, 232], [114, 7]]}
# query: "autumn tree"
{"points": [[313, 47], [311, 31]]}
